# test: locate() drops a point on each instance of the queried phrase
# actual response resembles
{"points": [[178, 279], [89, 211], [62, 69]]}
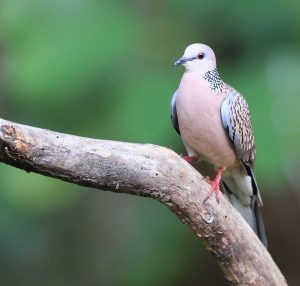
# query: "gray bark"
{"points": [[150, 171]]}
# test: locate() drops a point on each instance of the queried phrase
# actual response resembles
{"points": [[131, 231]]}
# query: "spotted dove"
{"points": [[214, 123]]}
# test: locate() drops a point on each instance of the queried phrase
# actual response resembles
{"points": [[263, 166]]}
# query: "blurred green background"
{"points": [[103, 69]]}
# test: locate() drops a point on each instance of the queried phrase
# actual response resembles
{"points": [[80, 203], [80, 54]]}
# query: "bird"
{"points": [[214, 123]]}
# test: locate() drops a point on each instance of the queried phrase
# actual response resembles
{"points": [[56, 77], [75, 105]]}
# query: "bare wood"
{"points": [[150, 171]]}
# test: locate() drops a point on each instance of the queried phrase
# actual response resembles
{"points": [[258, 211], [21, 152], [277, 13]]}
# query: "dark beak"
{"points": [[180, 62], [183, 60]]}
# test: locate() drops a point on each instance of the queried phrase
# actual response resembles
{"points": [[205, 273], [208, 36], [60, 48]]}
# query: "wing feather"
{"points": [[174, 117], [237, 122]]}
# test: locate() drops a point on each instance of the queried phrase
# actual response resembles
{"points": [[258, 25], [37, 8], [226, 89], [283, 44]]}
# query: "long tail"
{"points": [[241, 188]]}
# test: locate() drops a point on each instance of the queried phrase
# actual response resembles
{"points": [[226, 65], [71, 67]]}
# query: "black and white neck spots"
{"points": [[214, 80]]}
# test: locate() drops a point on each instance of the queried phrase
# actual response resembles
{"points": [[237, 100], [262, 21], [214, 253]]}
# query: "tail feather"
{"points": [[241, 188], [260, 227]]}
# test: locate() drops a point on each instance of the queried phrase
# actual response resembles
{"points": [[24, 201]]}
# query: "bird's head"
{"points": [[198, 58]]}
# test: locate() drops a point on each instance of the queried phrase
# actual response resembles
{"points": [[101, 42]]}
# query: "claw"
{"points": [[189, 159], [215, 185], [208, 180]]}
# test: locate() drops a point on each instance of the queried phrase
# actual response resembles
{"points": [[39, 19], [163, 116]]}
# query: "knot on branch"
{"points": [[14, 144]]}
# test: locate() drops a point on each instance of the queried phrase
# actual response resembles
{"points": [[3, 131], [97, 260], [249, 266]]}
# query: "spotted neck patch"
{"points": [[214, 80]]}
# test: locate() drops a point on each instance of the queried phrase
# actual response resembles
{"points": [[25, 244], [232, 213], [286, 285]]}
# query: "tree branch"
{"points": [[150, 171]]}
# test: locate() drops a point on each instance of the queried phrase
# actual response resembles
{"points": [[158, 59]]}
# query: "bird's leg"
{"points": [[190, 159], [215, 185]]}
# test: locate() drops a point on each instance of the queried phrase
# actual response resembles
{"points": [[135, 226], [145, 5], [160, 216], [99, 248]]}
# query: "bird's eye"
{"points": [[200, 56]]}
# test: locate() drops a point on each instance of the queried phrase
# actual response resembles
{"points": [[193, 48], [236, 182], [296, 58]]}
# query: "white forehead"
{"points": [[195, 49]]}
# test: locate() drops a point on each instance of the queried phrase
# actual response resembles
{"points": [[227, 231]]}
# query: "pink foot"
{"points": [[215, 185], [190, 159], [208, 180]]}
